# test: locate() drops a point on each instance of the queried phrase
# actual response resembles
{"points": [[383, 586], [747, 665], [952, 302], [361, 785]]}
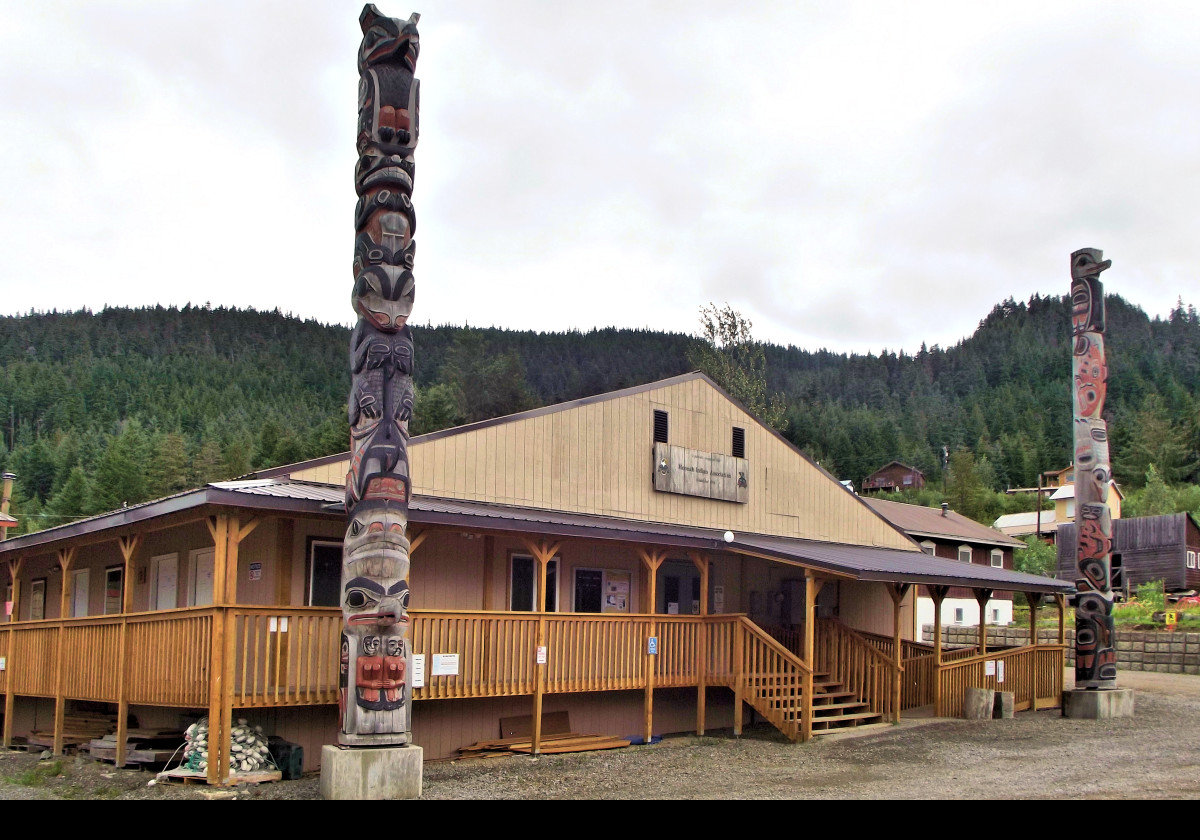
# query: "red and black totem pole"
{"points": [[376, 656], [1095, 652]]}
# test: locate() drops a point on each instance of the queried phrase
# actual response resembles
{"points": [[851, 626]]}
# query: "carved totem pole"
{"points": [[376, 657], [1095, 654]]}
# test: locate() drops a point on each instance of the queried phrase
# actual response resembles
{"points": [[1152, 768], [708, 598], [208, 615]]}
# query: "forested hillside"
{"points": [[119, 406]]}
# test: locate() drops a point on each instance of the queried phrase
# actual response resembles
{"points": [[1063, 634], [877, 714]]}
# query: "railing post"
{"points": [[122, 698], [66, 556], [812, 585], [738, 676], [216, 688], [652, 560]]}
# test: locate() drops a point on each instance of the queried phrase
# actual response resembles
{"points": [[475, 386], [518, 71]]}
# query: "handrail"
{"points": [[1000, 654], [774, 644], [854, 634]]}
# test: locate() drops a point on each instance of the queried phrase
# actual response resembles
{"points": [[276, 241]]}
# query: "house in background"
{"points": [[893, 478], [944, 533], [1060, 490], [1145, 549]]}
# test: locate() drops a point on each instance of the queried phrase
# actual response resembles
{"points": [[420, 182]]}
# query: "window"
{"points": [[523, 584], [995, 616], [37, 599], [739, 442], [997, 558], [958, 615], [1191, 560], [928, 547], [324, 573], [660, 426], [964, 553]]}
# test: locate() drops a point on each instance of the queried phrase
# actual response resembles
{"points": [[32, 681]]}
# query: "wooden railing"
{"points": [[763, 673], [920, 671], [285, 656], [850, 659], [1032, 674]]}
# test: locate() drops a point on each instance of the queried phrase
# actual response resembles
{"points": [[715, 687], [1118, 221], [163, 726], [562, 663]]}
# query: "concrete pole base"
{"points": [[979, 703], [371, 772], [1097, 704]]}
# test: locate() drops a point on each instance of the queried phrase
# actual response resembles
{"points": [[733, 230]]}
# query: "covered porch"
{"points": [[281, 653]]}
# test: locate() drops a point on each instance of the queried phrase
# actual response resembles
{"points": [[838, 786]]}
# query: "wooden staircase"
{"points": [[775, 681]]}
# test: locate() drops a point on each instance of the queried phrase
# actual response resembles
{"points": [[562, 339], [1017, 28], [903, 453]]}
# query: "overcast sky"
{"points": [[856, 176]]}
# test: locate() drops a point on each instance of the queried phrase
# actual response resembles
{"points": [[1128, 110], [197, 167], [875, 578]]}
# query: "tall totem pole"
{"points": [[1095, 654], [376, 656]]}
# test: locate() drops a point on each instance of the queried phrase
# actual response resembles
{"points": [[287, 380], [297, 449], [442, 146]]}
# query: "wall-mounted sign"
{"points": [[541, 655], [695, 473], [256, 571], [652, 645], [444, 665], [418, 670]]}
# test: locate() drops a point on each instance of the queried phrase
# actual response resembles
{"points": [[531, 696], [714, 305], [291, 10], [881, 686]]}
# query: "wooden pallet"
{"points": [[194, 777], [563, 742]]}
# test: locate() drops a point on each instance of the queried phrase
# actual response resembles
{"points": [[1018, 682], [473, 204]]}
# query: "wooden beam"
{"points": [[415, 538], [14, 569], [652, 560], [66, 556], [129, 547], [981, 597], [812, 586], [938, 594], [898, 591], [701, 562], [218, 527], [1034, 599], [489, 571], [543, 553]]}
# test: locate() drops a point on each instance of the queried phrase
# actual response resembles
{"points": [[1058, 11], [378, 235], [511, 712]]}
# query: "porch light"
{"points": [[729, 536]]}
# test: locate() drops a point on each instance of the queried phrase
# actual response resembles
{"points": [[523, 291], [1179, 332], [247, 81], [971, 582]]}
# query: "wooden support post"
{"points": [[981, 597], [543, 553], [66, 556], [652, 560], [898, 591], [812, 586], [1060, 601], [938, 594], [1034, 599], [489, 572], [14, 569], [702, 564], [129, 547], [739, 676]]}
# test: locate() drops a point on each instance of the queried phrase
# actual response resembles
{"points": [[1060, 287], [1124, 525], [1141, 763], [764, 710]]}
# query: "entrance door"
{"points": [[80, 589], [202, 578], [324, 574], [164, 592]]}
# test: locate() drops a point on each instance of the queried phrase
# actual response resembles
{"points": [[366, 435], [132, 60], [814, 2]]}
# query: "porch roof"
{"points": [[288, 496]]}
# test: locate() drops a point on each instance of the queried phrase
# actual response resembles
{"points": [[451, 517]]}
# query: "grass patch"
{"points": [[38, 775]]}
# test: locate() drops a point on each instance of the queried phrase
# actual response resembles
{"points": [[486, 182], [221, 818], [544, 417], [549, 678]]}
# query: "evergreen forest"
{"points": [[111, 408]]}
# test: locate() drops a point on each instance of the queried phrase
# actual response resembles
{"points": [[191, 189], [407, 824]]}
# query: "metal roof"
{"points": [[920, 521], [281, 495]]}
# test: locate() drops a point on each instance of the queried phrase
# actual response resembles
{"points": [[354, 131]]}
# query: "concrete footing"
{"points": [[978, 703], [371, 772], [1096, 704]]}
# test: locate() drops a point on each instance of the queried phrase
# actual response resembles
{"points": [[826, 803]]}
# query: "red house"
{"points": [[893, 477]]}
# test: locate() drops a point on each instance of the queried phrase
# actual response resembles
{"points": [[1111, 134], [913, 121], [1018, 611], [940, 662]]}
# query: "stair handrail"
{"points": [[858, 637], [775, 644]]}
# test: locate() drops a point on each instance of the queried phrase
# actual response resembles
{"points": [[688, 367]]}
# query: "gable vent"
{"points": [[660, 426], [739, 442]]}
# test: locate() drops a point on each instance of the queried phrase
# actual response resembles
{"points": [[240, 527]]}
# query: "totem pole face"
{"points": [[375, 694]]}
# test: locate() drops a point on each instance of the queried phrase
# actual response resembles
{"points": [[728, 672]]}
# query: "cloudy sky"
{"points": [[849, 175]]}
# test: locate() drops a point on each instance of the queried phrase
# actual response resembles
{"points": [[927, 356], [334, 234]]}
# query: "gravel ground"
{"points": [[1041, 755]]}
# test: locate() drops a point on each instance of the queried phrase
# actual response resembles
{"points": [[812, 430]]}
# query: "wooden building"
{"points": [[944, 533], [893, 478], [1145, 549], [584, 530]]}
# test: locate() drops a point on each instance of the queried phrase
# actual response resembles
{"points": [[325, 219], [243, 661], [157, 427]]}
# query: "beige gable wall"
{"points": [[597, 458]]}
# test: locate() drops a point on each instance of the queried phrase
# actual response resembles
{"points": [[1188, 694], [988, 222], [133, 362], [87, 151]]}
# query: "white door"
{"points": [[80, 589], [165, 570], [202, 578]]}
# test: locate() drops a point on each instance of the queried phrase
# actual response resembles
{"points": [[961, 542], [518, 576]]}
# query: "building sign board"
{"points": [[695, 473]]}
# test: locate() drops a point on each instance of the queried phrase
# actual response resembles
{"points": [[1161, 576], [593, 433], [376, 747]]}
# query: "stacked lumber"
{"points": [[78, 728], [142, 746], [562, 742]]}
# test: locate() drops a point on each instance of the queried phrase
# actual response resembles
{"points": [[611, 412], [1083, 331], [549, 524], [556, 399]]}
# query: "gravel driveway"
{"points": [[1040, 755]]}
